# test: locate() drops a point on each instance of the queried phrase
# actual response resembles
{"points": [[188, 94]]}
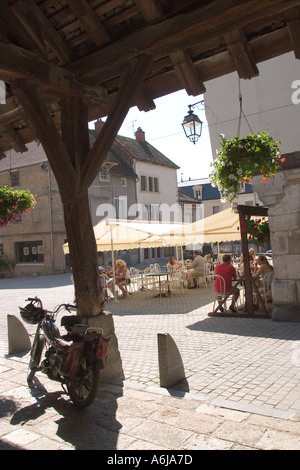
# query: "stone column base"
{"points": [[286, 312], [284, 294], [113, 369]]}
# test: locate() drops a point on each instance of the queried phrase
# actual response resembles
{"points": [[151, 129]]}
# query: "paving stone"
{"points": [[161, 434], [241, 389], [241, 433], [277, 440]]}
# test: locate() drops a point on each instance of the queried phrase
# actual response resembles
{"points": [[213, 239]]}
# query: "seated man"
{"points": [[228, 272], [196, 269]]}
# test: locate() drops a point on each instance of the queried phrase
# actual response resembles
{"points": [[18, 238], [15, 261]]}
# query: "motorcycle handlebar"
{"points": [[66, 306]]}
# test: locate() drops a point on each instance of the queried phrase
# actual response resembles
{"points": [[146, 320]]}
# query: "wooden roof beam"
{"points": [[294, 31], [143, 100], [25, 13], [183, 65], [151, 10], [17, 63], [10, 110], [90, 22], [13, 138], [29, 25], [240, 52], [179, 33], [51, 36], [187, 72]]}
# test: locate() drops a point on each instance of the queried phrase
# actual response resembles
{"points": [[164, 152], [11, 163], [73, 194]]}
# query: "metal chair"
{"points": [[220, 294], [267, 286], [207, 273], [175, 282]]}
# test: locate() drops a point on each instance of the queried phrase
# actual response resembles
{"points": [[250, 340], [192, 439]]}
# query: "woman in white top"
{"points": [[173, 264], [263, 267]]}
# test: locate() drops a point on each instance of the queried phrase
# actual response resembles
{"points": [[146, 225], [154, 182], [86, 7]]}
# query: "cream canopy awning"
{"points": [[220, 227], [122, 234]]}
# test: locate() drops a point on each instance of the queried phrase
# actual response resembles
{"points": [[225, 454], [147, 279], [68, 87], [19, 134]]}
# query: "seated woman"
{"points": [[173, 264], [252, 260], [120, 276], [264, 269]]}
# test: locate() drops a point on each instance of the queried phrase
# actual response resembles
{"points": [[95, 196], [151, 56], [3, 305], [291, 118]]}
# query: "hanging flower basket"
{"points": [[239, 159], [13, 203]]}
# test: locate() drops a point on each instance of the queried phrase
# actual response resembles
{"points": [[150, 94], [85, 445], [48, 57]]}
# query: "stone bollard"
{"points": [[171, 370], [18, 337], [113, 369]]}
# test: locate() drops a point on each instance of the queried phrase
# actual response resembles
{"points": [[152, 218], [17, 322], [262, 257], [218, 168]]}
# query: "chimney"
{"points": [[98, 125], [140, 135]]}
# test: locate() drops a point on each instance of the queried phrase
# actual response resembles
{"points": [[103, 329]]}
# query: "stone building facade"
{"points": [[35, 241], [282, 197], [270, 103]]}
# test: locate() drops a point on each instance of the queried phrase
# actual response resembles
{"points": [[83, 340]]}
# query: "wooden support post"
{"points": [[249, 211], [247, 272]]}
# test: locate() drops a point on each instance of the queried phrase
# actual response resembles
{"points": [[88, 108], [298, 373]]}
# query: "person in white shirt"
{"points": [[196, 269]]}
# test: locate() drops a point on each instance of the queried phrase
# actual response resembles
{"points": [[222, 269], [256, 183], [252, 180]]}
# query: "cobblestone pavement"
{"points": [[241, 389]]}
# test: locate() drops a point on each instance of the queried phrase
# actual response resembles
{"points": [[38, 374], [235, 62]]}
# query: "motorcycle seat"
{"points": [[70, 320]]}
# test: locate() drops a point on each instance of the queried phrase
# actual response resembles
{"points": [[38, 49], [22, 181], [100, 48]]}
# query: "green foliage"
{"points": [[239, 159], [7, 264], [13, 203]]}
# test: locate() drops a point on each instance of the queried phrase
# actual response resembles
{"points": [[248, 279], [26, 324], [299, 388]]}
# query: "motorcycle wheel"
{"points": [[83, 387], [35, 356]]}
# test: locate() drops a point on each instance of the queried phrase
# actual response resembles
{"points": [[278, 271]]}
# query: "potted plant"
{"points": [[239, 159], [13, 203]]}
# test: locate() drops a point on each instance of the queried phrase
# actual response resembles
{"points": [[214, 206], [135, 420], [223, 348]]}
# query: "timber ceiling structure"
{"points": [[82, 48]]}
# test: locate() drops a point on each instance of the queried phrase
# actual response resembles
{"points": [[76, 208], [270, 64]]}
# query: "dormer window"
{"points": [[198, 192], [104, 174], [242, 188]]}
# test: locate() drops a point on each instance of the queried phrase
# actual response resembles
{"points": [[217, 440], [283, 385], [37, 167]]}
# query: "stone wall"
{"points": [[282, 196]]}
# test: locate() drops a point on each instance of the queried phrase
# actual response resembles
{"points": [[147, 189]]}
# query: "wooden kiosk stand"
{"points": [[250, 286]]}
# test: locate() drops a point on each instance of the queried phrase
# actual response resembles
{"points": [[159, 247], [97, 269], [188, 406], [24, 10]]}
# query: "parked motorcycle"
{"points": [[73, 359]]}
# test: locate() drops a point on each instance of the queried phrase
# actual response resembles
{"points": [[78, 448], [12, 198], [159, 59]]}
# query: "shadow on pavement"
{"points": [[93, 428], [251, 327], [43, 282]]}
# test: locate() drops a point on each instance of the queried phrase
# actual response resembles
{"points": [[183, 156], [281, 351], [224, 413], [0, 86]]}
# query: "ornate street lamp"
{"points": [[192, 125]]}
